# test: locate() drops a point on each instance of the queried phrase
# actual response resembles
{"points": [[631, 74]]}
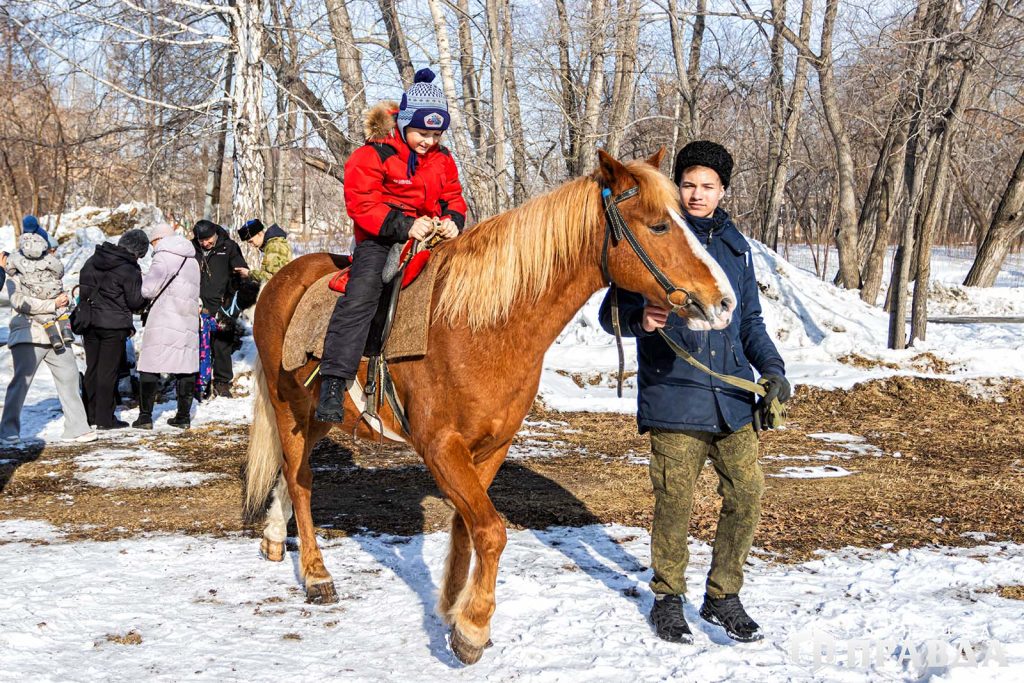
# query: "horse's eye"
{"points": [[659, 229]]}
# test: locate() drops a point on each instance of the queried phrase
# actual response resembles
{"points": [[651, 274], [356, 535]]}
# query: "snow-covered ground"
{"points": [[572, 606]]}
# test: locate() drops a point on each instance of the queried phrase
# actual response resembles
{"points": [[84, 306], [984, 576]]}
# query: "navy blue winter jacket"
{"points": [[674, 395]]}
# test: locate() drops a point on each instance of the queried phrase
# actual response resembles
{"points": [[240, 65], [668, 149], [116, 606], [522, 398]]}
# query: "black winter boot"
{"points": [[331, 407], [147, 397], [185, 390], [669, 621], [728, 613]]}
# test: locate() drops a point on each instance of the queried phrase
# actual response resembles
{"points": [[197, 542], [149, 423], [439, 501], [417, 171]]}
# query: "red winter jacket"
{"points": [[382, 200]]}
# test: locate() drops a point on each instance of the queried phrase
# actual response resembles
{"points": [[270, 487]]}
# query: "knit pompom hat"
{"points": [[135, 242], [423, 105], [704, 153]]}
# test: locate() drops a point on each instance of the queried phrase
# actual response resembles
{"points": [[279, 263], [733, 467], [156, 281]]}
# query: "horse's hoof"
{"points": [[272, 550], [321, 593], [464, 650]]}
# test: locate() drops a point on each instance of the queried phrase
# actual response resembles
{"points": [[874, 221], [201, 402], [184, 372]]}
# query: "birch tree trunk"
{"points": [[247, 105], [595, 86]]}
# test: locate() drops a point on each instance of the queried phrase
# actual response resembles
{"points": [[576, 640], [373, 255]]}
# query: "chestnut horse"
{"points": [[504, 291]]}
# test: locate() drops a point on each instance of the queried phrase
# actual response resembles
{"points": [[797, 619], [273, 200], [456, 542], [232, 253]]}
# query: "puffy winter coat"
{"points": [[40, 274], [26, 325], [112, 280], [217, 281], [381, 197], [170, 340], [277, 253], [674, 395]]}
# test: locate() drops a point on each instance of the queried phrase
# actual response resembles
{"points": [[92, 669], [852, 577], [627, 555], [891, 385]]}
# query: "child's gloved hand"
{"points": [[421, 228], [448, 229]]}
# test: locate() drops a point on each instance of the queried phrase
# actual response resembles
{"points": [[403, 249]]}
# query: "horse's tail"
{"points": [[265, 453]]}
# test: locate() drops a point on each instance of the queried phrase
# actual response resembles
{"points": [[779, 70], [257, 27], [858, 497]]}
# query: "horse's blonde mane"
{"points": [[513, 257]]}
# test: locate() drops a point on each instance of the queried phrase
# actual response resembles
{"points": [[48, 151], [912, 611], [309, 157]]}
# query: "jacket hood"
{"points": [[379, 122], [32, 245], [177, 245], [273, 231], [109, 256]]}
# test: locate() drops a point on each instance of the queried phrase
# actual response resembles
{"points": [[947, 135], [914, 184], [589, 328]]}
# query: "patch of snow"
{"points": [[17, 530], [139, 468], [822, 472]]}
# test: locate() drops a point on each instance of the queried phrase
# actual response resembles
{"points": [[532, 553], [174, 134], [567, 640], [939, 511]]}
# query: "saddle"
{"points": [[403, 258]]}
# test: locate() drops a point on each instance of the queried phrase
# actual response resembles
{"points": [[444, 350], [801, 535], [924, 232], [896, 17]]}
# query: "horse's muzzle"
{"points": [[715, 317]]}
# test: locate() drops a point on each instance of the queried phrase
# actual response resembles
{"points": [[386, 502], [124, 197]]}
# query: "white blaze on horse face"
{"points": [[720, 314]]}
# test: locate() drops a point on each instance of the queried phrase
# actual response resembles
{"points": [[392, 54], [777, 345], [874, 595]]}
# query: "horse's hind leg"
{"points": [[276, 530], [450, 461], [297, 444]]}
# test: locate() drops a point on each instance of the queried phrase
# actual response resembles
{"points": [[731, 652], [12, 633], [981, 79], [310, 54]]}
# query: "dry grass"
{"points": [[961, 462], [131, 638], [1011, 592]]}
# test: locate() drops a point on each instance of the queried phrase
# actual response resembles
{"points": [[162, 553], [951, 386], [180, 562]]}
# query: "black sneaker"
{"points": [[331, 407], [116, 424], [668, 620], [728, 613]]}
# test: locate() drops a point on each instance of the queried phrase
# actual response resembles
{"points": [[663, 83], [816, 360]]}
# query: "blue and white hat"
{"points": [[423, 105]]}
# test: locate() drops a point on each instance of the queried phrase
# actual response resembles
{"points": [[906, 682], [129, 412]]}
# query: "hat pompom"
{"points": [[424, 75]]}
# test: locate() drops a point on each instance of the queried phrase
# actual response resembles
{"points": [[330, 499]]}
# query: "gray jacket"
{"points": [[39, 275]]}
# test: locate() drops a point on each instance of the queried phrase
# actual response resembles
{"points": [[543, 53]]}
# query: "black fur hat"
{"points": [[135, 242], [704, 153]]}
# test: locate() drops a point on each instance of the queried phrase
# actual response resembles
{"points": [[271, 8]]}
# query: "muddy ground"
{"points": [[938, 460]]}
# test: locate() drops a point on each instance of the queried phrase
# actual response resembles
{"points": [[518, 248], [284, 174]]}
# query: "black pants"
{"points": [[222, 346], [353, 314], [104, 351]]}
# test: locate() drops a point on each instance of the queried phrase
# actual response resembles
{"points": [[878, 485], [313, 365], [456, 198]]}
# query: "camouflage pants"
{"points": [[676, 461]]}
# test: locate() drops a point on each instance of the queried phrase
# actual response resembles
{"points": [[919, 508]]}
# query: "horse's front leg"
{"points": [[460, 547], [450, 461]]}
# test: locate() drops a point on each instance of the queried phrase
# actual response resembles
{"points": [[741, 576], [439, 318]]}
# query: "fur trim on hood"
{"points": [[380, 121]]}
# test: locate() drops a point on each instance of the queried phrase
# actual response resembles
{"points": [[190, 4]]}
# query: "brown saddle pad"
{"points": [[308, 326]]}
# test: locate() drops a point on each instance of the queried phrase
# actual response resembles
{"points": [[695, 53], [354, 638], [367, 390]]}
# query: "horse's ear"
{"points": [[656, 158], [609, 169]]}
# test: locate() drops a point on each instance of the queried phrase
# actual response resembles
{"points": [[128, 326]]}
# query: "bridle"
{"points": [[619, 230]]}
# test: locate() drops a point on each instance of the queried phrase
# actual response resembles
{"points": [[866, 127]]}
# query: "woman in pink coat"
{"points": [[170, 338]]}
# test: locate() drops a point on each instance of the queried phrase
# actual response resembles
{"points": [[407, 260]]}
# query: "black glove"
{"points": [[776, 386]]}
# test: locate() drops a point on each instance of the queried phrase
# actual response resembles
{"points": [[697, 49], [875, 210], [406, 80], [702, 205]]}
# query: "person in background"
{"points": [[111, 281], [31, 346], [220, 265], [170, 338], [3, 268], [272, 242], [693, 417]]}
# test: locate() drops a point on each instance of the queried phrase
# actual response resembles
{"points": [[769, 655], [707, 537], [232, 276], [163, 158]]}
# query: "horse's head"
{"points": [[651, 251]]}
